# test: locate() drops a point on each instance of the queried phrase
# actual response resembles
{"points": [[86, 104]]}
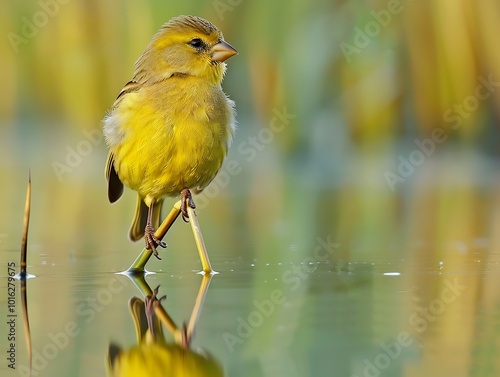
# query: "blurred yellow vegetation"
{"points": [[425, 60]]}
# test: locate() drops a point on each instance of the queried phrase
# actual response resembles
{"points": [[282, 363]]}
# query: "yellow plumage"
{"points": [[171, 126]]}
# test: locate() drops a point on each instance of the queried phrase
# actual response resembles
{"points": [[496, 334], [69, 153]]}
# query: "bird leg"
{"points": [[150, 304], [185, 197], [185, 338], [149, 235]]}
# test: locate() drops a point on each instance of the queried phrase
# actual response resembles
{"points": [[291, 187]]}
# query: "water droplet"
{"points": [[392, 273]]}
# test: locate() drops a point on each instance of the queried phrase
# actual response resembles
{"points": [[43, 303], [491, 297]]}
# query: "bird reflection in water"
{"points": [[154, 355]]}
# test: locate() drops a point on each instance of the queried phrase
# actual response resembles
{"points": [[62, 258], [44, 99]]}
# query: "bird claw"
{"points": [[151, 301], [152, 242], [185, 198]]}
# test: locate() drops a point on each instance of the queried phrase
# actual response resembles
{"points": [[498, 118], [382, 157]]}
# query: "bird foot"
{"points": [[152, 242], [186, 197]]}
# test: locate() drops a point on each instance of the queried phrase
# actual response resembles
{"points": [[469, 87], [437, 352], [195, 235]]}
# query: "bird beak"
{"points": [[222, 51]]}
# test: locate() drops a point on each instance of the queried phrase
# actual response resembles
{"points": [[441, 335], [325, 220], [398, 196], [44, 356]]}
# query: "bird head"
{"points": [[185, 46]]}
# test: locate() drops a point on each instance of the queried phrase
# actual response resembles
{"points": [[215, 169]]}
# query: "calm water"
{"points": [[284, 319]]}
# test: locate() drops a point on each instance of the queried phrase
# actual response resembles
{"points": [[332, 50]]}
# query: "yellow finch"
{"points": [[169, 130]]}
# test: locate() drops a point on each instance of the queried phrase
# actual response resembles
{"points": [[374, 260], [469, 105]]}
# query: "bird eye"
{"points": [[196, 43]]}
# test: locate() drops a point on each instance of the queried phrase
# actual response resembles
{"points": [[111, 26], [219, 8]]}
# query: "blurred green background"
{"points": [[390, 148]]}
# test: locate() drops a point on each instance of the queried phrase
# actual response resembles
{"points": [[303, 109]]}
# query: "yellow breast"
{"points": [[170, 135]]}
